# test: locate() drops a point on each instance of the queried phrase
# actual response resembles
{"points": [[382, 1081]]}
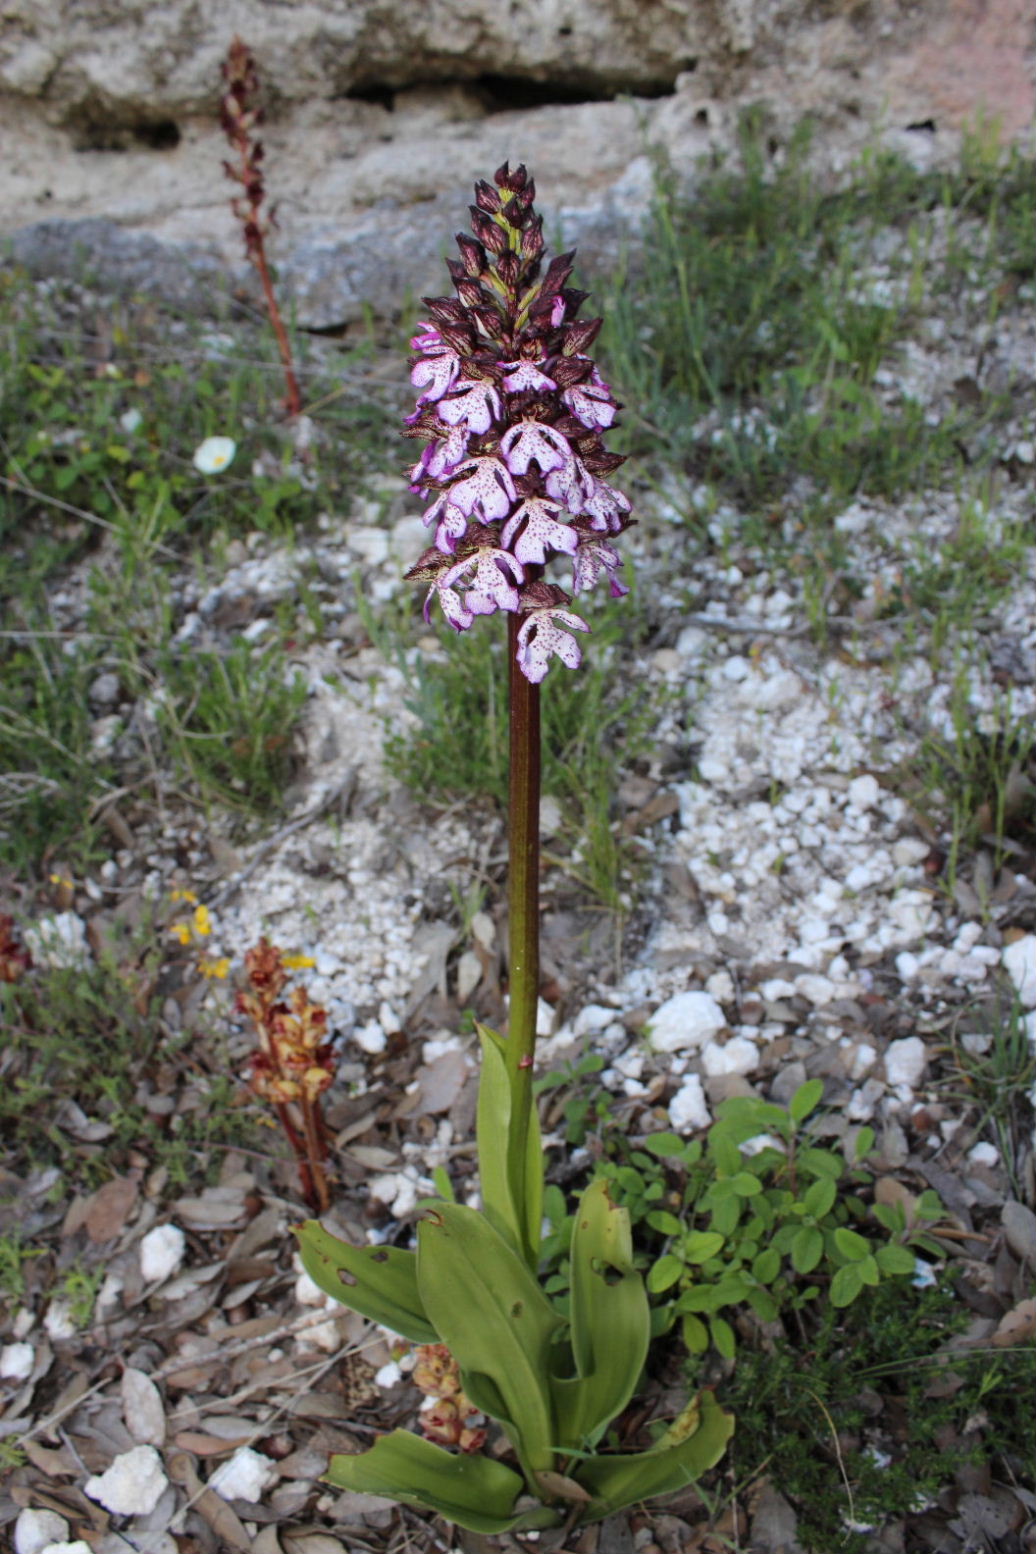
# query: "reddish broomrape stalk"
{"points": [[512, 410], [15, 959], [240, 115], [294, 1064]]}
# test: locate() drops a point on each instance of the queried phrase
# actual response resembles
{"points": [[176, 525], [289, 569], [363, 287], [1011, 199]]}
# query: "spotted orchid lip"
{"points": [[514, 411]]}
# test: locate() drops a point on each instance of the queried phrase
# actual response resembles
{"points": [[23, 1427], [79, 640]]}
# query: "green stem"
{"points": [[523, 889]]}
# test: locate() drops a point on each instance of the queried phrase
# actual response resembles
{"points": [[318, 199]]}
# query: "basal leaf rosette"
{"points": [[511, 409]]}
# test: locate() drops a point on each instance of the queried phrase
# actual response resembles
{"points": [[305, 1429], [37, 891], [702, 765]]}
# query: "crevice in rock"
{"points": [[504, 94], [94, 129], [507, 94]]}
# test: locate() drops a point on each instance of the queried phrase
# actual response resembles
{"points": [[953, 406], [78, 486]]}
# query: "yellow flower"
{"points": [[180, 931], [202, 921], [297, 962], [211, 967], [184, 895], [59, 879]]}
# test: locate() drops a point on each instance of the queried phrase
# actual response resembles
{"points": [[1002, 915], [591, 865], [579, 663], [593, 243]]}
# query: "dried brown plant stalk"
{"points": [[240, 115]]}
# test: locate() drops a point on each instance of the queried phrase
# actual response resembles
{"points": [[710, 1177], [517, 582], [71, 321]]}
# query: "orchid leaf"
{"points": [[610, 1321], [380, 1281], [629, 1477], [492, 1315], [512, 1185], [475, 1492]]}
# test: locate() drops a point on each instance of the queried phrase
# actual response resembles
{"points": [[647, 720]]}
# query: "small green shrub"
{"points": [[772, 1229], [851, 1429], [93, 1034]]}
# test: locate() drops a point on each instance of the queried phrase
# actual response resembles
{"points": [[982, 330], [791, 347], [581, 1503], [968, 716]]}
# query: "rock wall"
{"points": [[382, 112]]}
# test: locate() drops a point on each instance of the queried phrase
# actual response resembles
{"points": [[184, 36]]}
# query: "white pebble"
{"points": [[863, 793], [16, 1361], [1019, 959], [720, 986], [132, 1486], [308, 1292], [776, 988], [245, 1476], [863, 1101], [35, 1529], [687, 1109], [687, 1020], [397, 1191], [863, 1060], [910, 915], [908, 851], [161, 1253], [388, 1375], [322, 1335], [905, 1062], [907, 966], [594, 1018], [370, 1037], [984, 1154], [58, 1322], [818, 990], [739, 1056]]}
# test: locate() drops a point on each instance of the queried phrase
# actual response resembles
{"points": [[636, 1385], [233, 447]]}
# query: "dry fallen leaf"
{"points": [[222, 1518], [440, 1082], [312, 1543], [203, 1445], [109, 1208], [142, 1408]]}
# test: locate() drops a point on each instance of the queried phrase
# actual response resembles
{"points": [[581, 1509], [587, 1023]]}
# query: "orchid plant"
{"points": [[511, 409]]}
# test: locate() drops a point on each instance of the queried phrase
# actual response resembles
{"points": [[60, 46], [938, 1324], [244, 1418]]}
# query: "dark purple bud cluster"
{"points": [[512, 410]]}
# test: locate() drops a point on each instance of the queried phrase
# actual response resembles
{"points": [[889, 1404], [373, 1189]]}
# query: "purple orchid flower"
{"points": [[512, 409]]}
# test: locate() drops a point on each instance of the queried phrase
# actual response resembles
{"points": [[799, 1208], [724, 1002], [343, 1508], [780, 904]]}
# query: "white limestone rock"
{"points": [[1019, 961], [35, 1529], [245, 1476], [905, 1062], [687, 1020], [688, 1110], [162, 1253], [738, 1056], [132, 1486], [16, 1361]]}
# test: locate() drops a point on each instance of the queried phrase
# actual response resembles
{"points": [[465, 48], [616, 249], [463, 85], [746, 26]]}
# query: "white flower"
{"points": [[130, 420], [213, 455]]}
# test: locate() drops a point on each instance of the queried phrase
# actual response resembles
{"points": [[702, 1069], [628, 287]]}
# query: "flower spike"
{"points": [[512, 409]]}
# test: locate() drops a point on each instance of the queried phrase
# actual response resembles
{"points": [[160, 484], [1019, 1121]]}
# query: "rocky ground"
{"points": [[799, 909]]}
